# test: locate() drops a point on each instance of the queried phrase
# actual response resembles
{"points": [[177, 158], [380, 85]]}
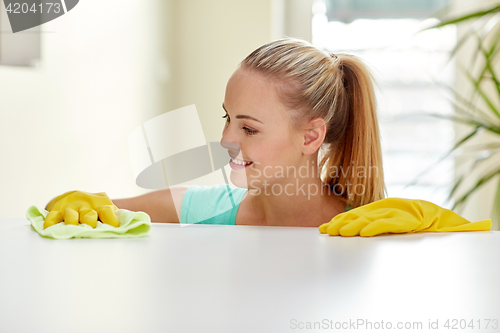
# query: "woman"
{"points": [[289, 107], [303, 141]]}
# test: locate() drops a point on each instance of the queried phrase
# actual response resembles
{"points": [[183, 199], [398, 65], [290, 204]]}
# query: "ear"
{"points": [[314, 135]]}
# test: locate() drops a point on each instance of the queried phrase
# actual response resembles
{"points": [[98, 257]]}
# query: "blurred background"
{"points": [[104, 68]]}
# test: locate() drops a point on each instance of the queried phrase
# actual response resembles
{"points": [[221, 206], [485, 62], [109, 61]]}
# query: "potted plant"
{"points": [[479, 112]]}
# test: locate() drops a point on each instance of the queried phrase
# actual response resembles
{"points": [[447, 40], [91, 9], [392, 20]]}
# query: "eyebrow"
{"points": [[243, 116]]}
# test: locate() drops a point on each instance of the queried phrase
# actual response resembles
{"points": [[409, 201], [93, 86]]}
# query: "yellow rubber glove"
{"points": [[75, 207], [395, 215]]}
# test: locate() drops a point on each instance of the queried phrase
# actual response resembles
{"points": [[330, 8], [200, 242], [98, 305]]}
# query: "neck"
{"points": [[302, 202]]}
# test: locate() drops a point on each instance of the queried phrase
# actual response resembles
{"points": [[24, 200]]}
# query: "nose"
{"points": [[229, 142], [232, 148]]}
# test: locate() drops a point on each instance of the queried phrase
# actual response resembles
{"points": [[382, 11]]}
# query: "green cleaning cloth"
{"points": [[132, 224]]}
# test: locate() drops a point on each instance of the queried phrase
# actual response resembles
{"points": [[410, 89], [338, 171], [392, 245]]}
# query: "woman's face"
{"points": [[258, 132]]}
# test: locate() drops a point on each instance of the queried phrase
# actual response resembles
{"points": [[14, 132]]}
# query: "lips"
{"points": [[238, 164]]}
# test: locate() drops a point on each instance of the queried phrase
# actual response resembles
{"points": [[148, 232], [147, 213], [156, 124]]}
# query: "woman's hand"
{"points": [[76, 207], [398, 216]]}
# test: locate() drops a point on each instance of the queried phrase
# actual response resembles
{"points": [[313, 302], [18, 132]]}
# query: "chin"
{"points": [[239, 179]]}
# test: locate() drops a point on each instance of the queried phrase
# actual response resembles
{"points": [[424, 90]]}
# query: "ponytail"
{"points": [[339, 89], [352, 158]]}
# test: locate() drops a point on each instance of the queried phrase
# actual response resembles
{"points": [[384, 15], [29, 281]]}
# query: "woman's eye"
{"points": [[250, 131]]}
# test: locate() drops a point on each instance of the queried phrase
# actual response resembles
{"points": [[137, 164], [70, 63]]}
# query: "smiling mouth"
{"points": [[239, 162]]}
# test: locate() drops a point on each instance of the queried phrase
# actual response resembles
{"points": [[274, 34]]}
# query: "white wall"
{"points": [[211, 38], [106, 68]]}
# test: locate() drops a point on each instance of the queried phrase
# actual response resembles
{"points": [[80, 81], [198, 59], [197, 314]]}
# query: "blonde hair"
{"points": [[339, 89]]}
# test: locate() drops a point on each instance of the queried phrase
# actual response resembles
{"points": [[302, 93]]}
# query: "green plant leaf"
{"points": [[442, 158], [457, 184], [477, 185], [482, 74], [465, 110], [478, 161], [481, 147], [480, 91], [470, 122], [495, 214], [477, 14], [482, 27], [489, 65]]}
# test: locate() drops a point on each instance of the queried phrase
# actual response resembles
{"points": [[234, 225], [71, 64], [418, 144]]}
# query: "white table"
{"points": [[245, 279]]}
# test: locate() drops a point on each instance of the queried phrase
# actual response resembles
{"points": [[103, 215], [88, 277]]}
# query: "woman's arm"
{"points": [[161, 206]]}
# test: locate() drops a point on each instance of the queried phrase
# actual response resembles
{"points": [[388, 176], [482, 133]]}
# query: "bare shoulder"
{"points": [[177, 193]]}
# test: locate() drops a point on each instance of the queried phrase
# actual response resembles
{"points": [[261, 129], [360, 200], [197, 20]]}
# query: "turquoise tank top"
{"points": [[216, 204]]}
